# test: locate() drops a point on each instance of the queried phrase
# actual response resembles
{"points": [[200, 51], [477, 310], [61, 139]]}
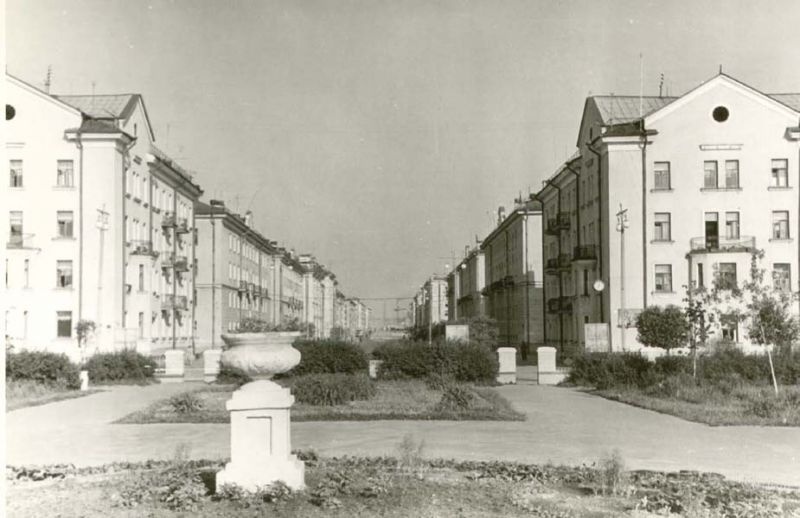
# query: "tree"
{"points": [[666, 328], [83, 330], [700, 319]]}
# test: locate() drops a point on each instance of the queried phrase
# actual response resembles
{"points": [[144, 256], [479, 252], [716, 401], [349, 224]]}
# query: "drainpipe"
{"points": [[79, 143], [213, 278], [599, 223], [535, 196], [643, 136], [558, 259]]}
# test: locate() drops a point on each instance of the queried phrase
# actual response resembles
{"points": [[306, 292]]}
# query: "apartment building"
{"points": [[430, 304], [668, 192], [92, 201], [237, 278], [465, 286]]}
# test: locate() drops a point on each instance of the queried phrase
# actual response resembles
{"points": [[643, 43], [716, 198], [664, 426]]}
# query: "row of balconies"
{"points": [[556, 225], [559, 305], [175, 302], [253, 290], [562, 262], [171, 220]]}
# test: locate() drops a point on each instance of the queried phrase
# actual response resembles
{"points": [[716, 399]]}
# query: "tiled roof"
{"points": [[102, 106], [97, 126], [790, 100], [615, 109]]}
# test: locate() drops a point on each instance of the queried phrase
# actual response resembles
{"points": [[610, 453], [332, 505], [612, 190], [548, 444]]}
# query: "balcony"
{"points": [[559, 305], [175, 302], [704, 244], [20, 241], [142, 247], [182, 226], [556, 264], [243, 286], [169, 220], [585, 253], [179, 262]]}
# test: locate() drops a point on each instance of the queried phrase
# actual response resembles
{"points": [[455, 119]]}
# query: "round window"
{"points": [[720, 114], [10, 112]]}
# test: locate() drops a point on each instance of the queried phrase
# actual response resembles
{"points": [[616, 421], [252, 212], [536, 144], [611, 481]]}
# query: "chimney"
{"points": [[501, 214], [217, 203], [248, 218]]}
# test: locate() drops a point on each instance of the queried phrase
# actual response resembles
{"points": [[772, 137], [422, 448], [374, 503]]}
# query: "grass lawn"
{"points": [[717, 406], [391, 487], [408, 399], [25, 393]]}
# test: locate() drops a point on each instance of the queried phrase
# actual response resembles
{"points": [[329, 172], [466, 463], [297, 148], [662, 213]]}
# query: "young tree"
{"points": [[83, 330], [662, 327], [700, 319]]}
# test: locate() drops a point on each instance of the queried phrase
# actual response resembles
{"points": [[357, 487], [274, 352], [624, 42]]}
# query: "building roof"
{"points": [[790, 100], [98, 126], [113, 106]]}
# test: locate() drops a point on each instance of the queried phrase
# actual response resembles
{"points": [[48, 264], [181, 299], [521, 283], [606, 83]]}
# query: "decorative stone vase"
{"points": [[261, 448], [261, 355]]}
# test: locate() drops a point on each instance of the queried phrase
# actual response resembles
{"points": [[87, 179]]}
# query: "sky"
{"points": [[382, 135]]}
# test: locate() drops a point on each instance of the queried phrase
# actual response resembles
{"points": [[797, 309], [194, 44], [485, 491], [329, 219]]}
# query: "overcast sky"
{"points": [[382, 135]]}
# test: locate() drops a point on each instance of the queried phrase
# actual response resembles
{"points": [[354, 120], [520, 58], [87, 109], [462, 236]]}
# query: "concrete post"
{"points": [[211, 360], [548, 374], [84, 380], [173, 366], [507, 356], [374, 367]]}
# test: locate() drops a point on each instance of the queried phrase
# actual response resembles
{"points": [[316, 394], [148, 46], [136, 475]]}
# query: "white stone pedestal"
{"points": [[548, 374], [173, 366], [507, 356], [374, 367], [211, 359], [260, 439], [84, 380]]}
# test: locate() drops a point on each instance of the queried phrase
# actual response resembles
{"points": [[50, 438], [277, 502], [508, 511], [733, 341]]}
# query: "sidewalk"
{"points": [[563, 426]]}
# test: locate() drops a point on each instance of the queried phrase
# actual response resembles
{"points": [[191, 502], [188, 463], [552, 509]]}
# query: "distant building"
{"points": [[513, 265], [99, 225], [702, 181], [465, 285], [430, 302]]}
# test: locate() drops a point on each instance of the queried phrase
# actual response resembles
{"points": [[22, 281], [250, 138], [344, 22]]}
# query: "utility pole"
{"points": [[429, 295], [622, 224]]}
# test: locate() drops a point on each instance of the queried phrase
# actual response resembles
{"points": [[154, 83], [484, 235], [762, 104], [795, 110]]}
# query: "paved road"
{"points": [[563, 426]]}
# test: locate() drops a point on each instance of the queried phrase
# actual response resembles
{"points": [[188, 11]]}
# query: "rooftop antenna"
{"points": [[48, 79], [720, 68], [641, 85], [661, 85]]}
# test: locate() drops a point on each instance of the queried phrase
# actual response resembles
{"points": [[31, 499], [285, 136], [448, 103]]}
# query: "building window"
{"points": [[141, 324], [780, 224], [732, 225], [64, 220], [731, 174], [726, 279], [64, 274], [700, 280], [661, 178], [664, 278], [65, 173], [64, 324], [710, 174], [780, 172], [730, 328], [781, 277], [662, 226], [15, 228], [141, 277], [15, 169]]}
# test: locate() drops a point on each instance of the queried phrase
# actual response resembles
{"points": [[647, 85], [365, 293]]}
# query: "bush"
{"points": [[456, 397], [666, 328], [230, 375], [728, 362], [119, 366], [607, 370], [329, 357], [673, 365], [43, 367], [186, 403], [465, 362], [332, 389]]}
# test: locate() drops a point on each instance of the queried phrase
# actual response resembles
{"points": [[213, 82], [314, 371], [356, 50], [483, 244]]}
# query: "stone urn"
{"points": [[261, 448], [261, 355]]}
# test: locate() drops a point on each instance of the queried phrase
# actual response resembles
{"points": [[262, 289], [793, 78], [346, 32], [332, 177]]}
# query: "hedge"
{"points": [[465, 362], [120, 366], [332, 389], [43, 367], [329, 357]]}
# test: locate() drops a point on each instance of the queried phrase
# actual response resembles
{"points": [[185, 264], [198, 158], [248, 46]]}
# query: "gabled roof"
{"points": [[109, 106], [615, 109], [42, 94], [790, 100]]}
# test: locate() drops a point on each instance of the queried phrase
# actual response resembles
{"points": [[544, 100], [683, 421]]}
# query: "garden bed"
{"points": [[396, 399], [392, 487], [25, 393]]}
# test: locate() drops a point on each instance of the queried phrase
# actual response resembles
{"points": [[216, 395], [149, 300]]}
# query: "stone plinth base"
{"points": [[173, 366], [84, 380], [507, 357], [546, 363], [260, 439], [211, 359], [374, 367]]}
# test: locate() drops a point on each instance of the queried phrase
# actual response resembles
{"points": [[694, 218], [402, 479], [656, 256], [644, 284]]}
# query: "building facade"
{"points": [[665, 193], [465, 287], [107, 214], [430, 304]]}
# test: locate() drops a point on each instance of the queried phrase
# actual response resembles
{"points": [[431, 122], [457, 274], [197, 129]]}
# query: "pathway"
{"points": [[563, 426]]}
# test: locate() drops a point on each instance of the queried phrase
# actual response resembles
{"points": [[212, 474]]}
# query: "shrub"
{"points": [[329, 357], [727, 362], [43, 367], [465, 362], [456, 397], [666, 328], [607, 370], [332, 389], [186, 403], [119, 366], [673, 365], [230, 375]]}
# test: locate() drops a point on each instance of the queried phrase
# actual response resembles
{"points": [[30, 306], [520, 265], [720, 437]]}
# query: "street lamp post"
{"points": [[622, 224]]}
